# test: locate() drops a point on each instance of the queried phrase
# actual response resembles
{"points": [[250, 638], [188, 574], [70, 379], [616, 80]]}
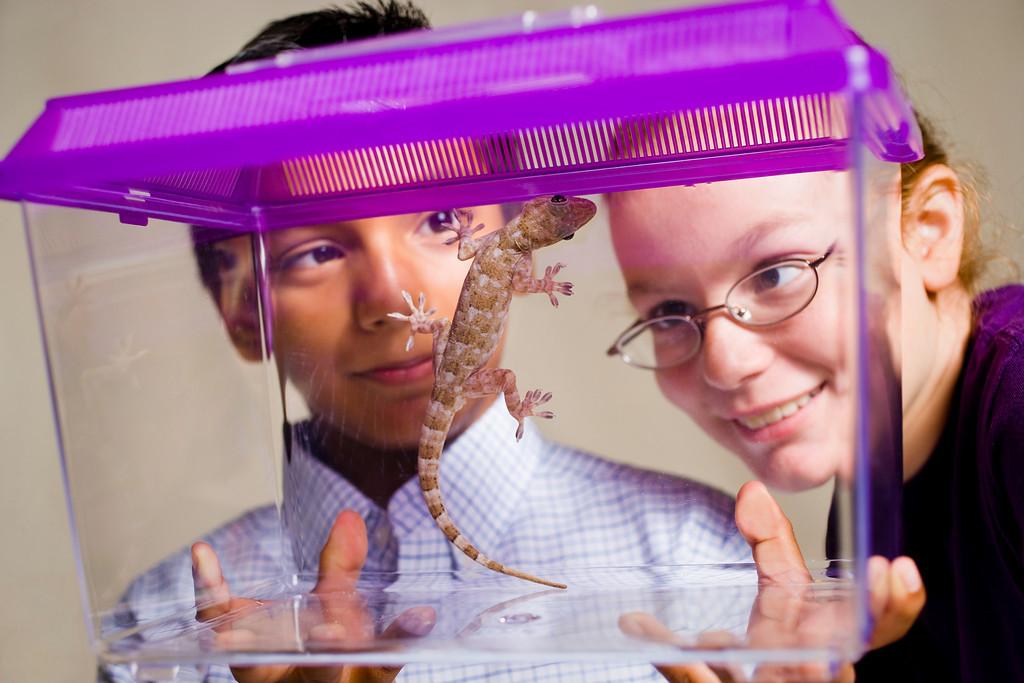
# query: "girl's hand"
{"points": [[896, 597]]}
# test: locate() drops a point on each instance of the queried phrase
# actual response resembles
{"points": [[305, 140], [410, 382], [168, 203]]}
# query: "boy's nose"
{"points": [[733, 354], [380, 282]]}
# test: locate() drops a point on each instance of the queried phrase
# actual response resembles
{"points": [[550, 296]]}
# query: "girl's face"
{"points": [[778, 396], [332, 288]]}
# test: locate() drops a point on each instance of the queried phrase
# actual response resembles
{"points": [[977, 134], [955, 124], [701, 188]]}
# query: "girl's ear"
{"points": [[933, 226]]}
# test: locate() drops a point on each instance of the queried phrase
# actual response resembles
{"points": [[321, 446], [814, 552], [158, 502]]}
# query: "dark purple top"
{"points": [[963, 519]]}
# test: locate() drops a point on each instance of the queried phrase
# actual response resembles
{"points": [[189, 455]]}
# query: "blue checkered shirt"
{"points": [[532, 505]]}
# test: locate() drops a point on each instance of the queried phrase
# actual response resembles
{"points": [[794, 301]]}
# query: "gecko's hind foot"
{"points": [[526, 407]]}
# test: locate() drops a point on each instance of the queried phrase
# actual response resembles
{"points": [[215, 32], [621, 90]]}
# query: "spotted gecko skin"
{"points": [[502, 265]]}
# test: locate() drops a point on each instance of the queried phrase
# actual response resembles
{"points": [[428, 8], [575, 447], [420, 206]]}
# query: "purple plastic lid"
{"points": [[498, 112]]}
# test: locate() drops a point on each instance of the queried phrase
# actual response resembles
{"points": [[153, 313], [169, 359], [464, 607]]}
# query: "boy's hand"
{"points": [[896, 597], [341, 623]]}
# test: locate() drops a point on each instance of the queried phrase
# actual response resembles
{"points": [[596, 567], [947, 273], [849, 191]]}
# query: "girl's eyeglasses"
{"points": [[767, 296]]}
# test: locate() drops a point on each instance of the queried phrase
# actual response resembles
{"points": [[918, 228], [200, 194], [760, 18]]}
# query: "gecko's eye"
{"points": [[558, 199]]}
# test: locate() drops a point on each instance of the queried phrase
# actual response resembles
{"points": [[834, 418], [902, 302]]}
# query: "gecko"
{"points": [[502, 264]]}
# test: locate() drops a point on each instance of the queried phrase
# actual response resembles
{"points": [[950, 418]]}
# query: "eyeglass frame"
{"points": [[697, 319]]}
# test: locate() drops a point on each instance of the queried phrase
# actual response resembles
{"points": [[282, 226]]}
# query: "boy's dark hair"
{"points": [[329, 27], [301, 31]]}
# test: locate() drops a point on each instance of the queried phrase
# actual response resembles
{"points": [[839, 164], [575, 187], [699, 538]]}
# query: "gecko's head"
{"points": [[552, 218]]}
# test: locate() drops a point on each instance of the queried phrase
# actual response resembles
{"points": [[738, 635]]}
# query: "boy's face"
{"points": [[332, 287]]}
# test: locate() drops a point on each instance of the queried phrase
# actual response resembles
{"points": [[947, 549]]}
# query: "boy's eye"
{"points": [[434, 222], [224, 260], [311, 258]]}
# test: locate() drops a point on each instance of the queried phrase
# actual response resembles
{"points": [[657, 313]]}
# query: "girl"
{"points": [[774, 394]]}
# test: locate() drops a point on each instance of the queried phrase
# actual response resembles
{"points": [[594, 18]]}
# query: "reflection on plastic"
{"points": [[635, 614]]}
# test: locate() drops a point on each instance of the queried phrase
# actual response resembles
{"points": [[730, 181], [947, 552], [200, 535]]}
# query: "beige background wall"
{"points": [[961, 60]]}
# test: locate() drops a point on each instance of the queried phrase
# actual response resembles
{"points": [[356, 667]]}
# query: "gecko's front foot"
{"points": [[419, 319], [526, 407], [462, 225], [549, 285]]}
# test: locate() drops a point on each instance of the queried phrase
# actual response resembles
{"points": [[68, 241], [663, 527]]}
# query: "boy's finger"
{"points": [[344, 553], [770, 535], [689, 673], [213, 597], [365, 674], [414, 622], [344, 618]]}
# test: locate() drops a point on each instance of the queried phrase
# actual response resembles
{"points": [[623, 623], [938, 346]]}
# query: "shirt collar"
{"points": [[485, 475], [313, 496]]}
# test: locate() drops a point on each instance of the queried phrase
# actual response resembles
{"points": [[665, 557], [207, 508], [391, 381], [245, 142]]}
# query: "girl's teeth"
{"points": [[777, 413]]}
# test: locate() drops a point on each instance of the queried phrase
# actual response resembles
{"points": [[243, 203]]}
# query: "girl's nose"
{"points": [[733, 354]]}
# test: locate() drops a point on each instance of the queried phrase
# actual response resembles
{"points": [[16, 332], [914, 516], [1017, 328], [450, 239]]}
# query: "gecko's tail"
{"points": [[498, 567], [435, 429]]}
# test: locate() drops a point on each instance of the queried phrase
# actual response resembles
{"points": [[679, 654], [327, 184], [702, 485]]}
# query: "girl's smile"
{"points": [[779, 421]]}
